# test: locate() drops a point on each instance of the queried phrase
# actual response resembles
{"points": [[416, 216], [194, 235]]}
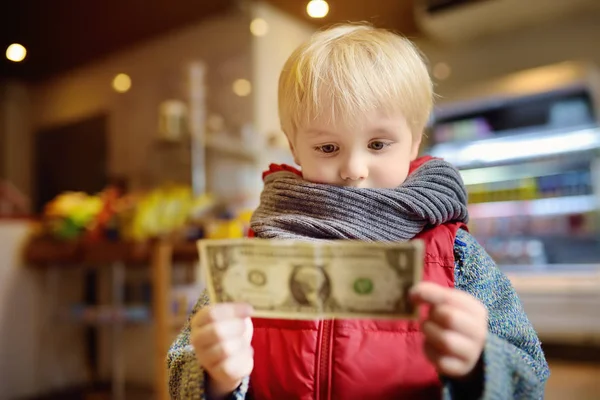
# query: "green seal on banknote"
{"points": [[363, 286]]}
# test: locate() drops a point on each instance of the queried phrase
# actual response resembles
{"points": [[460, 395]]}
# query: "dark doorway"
{"points": [[71, 158]]}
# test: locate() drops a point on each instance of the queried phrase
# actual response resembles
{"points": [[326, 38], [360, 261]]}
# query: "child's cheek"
{"points": [[390, 177], [319, 174]]}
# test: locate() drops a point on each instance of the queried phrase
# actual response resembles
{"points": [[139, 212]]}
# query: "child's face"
{"points": [[375, 154]]}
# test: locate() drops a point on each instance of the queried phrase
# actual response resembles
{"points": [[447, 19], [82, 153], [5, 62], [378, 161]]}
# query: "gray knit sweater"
{"points": [[514, 366]]}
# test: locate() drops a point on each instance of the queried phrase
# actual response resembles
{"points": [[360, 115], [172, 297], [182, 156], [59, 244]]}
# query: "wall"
{"points": [[158, 73], [3, 130], [569, 39], [18, 344], [15, 136], [36, 353], [269, 53]]}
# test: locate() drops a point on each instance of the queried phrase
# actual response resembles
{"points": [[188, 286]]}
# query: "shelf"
{"points": [[518, 147], [552, 269], [43, 252], [107, 315], [232, 148], [477, 176], [539, 207], [582, 284]]}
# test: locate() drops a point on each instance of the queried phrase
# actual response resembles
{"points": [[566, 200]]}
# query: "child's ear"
{"points": [[416, 144]]}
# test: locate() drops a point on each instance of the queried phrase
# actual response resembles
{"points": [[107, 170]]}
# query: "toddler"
{"points": [[353, 103]]}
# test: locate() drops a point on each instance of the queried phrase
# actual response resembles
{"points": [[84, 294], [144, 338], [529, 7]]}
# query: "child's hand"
{"points": [[221, 336], [455, 331]]}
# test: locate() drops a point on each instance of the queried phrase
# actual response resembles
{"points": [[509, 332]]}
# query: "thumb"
{"points": [[248, 331], [428, 293]]}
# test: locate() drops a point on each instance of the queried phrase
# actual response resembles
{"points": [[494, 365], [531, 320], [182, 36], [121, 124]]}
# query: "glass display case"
{"points": [[529, 156]]}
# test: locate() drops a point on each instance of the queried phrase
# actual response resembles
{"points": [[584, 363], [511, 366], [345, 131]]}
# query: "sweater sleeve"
{"points": [[186, 378], [513, 365]]}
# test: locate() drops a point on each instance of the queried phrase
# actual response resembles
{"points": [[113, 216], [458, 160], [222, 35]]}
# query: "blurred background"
{"points": [[130, 129]]}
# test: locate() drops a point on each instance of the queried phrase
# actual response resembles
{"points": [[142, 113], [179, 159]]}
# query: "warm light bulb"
{"points": [[16, 52], [242, 87], [259, 27], [121, 83], [442, 71], [317, 8]]}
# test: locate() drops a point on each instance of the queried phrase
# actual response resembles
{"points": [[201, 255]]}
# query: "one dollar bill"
{"points": [[319, 280]]}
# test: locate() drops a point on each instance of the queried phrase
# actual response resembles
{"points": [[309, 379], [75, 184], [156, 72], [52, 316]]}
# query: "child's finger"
{"points": [[458, 320], [449, 366], [219, 352], [434, 294], [236, 367], [208, 335], [447, 342], [249, 330]]}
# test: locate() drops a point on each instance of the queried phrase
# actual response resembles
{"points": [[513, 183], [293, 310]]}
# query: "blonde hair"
{"points": [[342, 72]]}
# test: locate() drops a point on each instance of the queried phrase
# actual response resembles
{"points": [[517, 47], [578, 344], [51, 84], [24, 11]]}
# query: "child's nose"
{"points": [[354, 169]]}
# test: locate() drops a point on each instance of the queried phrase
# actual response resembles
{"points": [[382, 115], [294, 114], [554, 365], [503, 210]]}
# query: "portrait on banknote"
{"points": [[310, 285]]}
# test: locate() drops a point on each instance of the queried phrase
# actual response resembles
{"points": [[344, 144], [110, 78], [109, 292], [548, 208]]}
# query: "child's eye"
{"points": [[327, 148], [378, 145]]}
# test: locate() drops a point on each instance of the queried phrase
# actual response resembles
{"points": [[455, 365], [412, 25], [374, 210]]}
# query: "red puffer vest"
{"points": [[352, 359]]}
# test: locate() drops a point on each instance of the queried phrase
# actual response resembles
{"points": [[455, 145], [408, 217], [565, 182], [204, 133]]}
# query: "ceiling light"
{"points": [[259, 27], [441, 71], [16, 52], [121, 83], [317, 8], [242, 87]]}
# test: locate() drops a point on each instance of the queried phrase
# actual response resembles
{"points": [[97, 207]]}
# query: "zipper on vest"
{"points": [[324, 360]]}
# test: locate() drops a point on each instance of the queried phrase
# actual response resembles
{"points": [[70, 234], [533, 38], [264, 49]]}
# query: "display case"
{"points": [[528, 148]]}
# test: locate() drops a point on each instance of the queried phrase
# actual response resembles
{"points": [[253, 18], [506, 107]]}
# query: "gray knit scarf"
{"points": [[292, 208]]}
